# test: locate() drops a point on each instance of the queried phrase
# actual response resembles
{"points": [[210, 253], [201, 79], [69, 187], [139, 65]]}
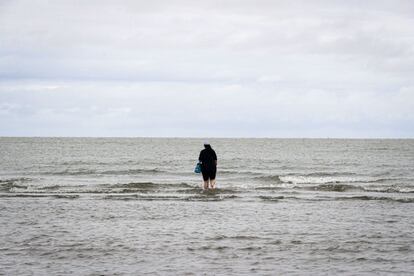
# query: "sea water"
{"points": [[120, 206]]}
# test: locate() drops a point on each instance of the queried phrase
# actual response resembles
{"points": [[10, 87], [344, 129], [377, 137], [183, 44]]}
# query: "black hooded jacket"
{"points": [[208, 158]]}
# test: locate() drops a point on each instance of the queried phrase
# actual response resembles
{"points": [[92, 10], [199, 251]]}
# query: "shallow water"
{"points": [[128, 206]]}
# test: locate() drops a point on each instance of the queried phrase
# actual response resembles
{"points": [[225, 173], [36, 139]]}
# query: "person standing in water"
{"points": [[208, 160]]}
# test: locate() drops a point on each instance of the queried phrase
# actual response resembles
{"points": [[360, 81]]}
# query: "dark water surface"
{"points": [[133, 206]]}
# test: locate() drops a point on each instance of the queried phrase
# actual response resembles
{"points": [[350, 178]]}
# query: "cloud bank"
{"points": [[207, 68]]}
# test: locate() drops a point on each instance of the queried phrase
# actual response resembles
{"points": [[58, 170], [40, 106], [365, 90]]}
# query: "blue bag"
{"points": [[197, 168]]}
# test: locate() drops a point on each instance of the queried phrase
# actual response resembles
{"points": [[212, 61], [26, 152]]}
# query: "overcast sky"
{"points": [[207, 68]]}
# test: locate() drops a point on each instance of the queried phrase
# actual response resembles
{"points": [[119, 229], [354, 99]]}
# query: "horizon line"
{"points": [[216, 137]]}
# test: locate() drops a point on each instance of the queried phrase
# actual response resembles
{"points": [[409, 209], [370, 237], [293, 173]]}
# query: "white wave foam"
{"points": [[298, 179]]}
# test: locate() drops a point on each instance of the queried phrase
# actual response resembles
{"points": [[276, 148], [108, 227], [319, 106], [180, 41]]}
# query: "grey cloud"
{"points": [[266, 68]]}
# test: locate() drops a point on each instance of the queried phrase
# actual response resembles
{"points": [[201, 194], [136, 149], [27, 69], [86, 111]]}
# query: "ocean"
{"points": [[134, 206]]}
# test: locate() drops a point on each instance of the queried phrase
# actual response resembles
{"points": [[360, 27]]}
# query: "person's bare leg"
{"points": [[206, 185], [212, 183]]}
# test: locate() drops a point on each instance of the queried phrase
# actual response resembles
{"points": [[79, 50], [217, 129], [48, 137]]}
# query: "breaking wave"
{"points": [[323, 174], [271, 198], [269, 178], [150, 185], [306, 179], [328, 187], [105, 172], [334, 187], [389, 199], [11, 183], [199, 197]]}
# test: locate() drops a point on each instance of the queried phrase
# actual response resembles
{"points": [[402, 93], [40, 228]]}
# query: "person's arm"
{"points": [[199, 157]]}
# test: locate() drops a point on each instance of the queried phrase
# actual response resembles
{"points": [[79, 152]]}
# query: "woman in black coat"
{"points": [[208, 160]]}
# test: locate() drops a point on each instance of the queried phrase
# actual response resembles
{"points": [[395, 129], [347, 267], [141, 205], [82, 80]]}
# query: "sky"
{"points": [[216, 68]]}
